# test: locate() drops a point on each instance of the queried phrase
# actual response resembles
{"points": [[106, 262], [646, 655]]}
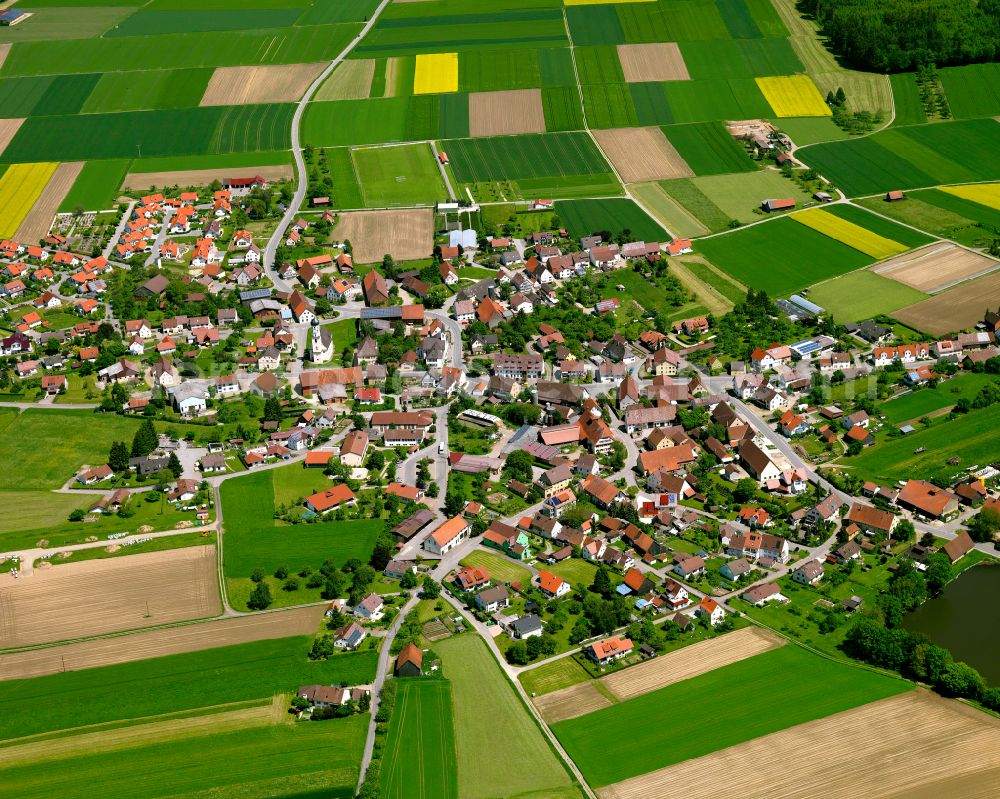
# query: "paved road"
{"points": [[119, 230], [300, 165], [444, 172]]}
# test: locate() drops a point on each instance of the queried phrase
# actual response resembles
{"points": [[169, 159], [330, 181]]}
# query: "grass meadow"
{"points": [[491, 717], [863, 294], [717, 199], [398, 176], [940, 213], [501, 569], [583, 217], [602, 743], [96, 186], [143, 688], [561, 673], [928, 400], [708, 149], [419, 760]]}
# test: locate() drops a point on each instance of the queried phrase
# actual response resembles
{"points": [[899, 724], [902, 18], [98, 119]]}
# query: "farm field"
{"points": [[174, 683], [987, 194], [198, 177], [936, 266], [878, 225], [863, 294], [717, 199], [405, 175], [553, 676], [147, 644], [407, 234], [973, 90], [96, 186], [912, 744], [253, 539], [419, 758], [708, 149], [352, 80], [667, 211], [910, 157], [79, 600], [793, 96], [642, 154], [717, 291], [279, 760], [924, 401], [957, 308], [936, 212], [146, 89], [38, 220], [483, 703], [813, 688], [781, 256], [854, 236], [275, 83], [20, 187], [583, 217], [506, 113]]}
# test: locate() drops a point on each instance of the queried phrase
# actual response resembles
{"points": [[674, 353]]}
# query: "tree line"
{"points": [[898, 35]]}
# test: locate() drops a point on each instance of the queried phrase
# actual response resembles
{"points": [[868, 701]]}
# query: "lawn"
{"points": [[810, 687], [399, 176], [575, 570], [501, 569], [49, 446], [284, 760], [172, 683], [419, 760], [973, 438], [584, 217], [781, 256], [491, 717], [862, 295], [50, 22], [254, 540], [344, 332], [561, 673]]}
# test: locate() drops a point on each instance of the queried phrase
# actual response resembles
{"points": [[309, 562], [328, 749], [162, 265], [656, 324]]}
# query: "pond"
{"points": [[965, 619]]}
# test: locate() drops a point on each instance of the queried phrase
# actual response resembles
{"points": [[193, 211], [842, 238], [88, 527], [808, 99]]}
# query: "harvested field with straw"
{"points": [[505, 113], [640, 154], [284, 83], [352, 80], [652, 62], [39, 219], [8, 130], [201, 177], [98, 597], [690, 662], [157, 643], [936, 266], [405, 235], [912, 745], [956, 309], [568, 703]]}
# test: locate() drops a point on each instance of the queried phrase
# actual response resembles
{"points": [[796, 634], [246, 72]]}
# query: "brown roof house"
{"points": [[410, 661], [376, 290]]}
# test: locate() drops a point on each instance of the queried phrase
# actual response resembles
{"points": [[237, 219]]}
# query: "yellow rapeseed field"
{"points": [[848, 233], [20, 187], [987, 194], [793, 96], [436, 73]]}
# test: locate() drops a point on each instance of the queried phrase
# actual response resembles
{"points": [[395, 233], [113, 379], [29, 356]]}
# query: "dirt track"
{"points": [[641, 154], [912, 745], [201, 177], [403, 234], [96, 597], [39, 219], [284, 83], [156, 643]]}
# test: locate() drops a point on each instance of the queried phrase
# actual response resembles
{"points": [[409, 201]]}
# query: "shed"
{"points": [[409, 662]]}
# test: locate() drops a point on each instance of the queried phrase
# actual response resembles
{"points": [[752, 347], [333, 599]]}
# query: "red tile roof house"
{"points": [[469, 578], [609, 650], [551, 585], [325, 501]]}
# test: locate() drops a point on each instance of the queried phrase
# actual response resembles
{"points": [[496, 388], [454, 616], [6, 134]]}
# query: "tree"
{"points": [[291, 584], [939, 573], [174, 465], [77, 515], [602, 583], [517, 655], [272, 410], [429, 588], [408, 581], [432, 489], [118, 457], [618, 455], [145, 439], [518, 466], [746, 489], [260, 597], [281, 572], [985, 525], [960, 679]]}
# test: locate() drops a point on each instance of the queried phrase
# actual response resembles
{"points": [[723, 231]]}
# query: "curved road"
{"points": [[295, 205]]}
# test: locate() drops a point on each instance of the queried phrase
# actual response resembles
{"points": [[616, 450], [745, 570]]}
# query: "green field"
{"points": [[733, 293], [973, 438], [973, 90], [49, 446], [187, 131], [780, 256], [211, 677], [906, 99], [708, 149], [297, 761], [924, 401], [538, 155], [880, 226], [97, 185], [65, 23], [45, 95], [419, 760], [717, 199], [811, 687], [910, 157], [575, 571], [545, 679], [156, 22], [173, 163], [584, 217], [941, 213], [672, 214], [490, 717], [254, 540], [147, 89], [500, 568], [406, 175], [717, 99], [810, 130], [862, 295], [375, 121]]}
